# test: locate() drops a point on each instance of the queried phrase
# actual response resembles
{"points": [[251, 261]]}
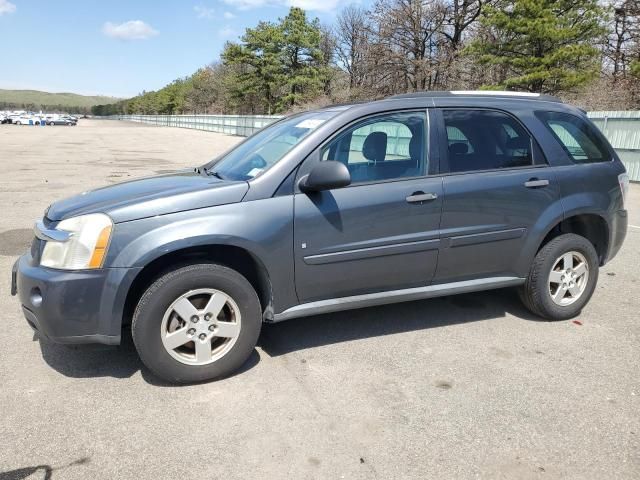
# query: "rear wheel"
{"points": [[199, 322], [562, 278]]}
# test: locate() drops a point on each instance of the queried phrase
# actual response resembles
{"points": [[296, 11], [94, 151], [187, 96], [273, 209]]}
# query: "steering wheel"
{"points": [[250, 163]]}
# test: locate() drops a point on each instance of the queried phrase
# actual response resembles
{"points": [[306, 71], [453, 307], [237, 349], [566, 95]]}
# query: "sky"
{"points": [[122, 47]]}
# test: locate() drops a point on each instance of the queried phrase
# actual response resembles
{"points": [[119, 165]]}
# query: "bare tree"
{"points": [[459, 16], [623, 45], [409, 40], [352, 36]]}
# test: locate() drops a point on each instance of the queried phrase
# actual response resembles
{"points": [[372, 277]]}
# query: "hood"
{"points": [[147, 197]]}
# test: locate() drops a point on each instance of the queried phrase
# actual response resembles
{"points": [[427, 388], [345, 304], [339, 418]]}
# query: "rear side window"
{"points": [[485, 140], [578, 139]]}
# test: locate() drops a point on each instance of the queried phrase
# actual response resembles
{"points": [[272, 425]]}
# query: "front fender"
{"points": [[264, 228], [162, 239]]}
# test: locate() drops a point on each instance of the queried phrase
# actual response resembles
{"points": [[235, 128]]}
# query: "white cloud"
{"points": [[314, 5], [317, 5], [249, 4], [204, 12], [131, 30], [229, 15], [6, 7], [227, 32]]}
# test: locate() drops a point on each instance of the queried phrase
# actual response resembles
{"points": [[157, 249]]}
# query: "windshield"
{"points": [[265, 148]]}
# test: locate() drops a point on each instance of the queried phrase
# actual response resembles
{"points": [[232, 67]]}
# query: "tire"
{"points": [[157, 311], [541, 288]]}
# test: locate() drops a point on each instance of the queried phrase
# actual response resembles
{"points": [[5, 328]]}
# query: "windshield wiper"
{"points": [[214, 173]]}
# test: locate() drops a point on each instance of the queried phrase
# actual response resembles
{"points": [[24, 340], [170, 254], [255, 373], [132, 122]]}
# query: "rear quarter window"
{"points": [[577, 137]]}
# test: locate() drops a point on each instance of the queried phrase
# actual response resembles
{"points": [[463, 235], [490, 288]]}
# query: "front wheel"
{"points": [[200, 322], [562, 278]]}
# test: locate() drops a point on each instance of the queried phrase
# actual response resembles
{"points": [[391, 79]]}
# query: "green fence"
{"points": [[621, 128], [242, 125]]}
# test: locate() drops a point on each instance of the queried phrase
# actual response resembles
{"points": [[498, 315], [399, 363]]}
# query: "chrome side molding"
{"points": [[50, 235], [395, 296]]}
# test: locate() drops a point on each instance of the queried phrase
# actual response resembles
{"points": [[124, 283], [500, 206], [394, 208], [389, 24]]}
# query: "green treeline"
{"points": [[582, 50], [36, 107]]}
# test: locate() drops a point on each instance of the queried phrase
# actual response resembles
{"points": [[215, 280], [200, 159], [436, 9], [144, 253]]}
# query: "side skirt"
{"points": [[395, 296]]}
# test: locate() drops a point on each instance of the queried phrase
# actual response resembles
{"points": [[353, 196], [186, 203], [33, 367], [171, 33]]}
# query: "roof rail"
{"points": [[481, 93]]}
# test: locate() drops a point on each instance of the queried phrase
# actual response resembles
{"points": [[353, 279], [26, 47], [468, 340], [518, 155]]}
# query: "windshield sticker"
{"points": [[310, 123], [254, 171]]}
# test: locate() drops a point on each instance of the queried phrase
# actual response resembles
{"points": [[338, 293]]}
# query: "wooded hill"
{"points": [[36, 100]]}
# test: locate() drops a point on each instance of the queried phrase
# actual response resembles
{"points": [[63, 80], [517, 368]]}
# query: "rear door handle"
{"points": [[535, 183], [417, 197]]}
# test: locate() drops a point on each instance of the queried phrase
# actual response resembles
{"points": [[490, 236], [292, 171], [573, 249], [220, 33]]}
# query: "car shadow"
{"points": [[122, 361], [304, 333], [84, 361], [39, 471]]}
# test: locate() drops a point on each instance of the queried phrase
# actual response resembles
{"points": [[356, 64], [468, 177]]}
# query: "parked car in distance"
{"points": [[27, 120], [4, 119], [61, 121], [412, 197]]}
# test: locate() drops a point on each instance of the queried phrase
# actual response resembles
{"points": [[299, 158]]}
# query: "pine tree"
{"points": [[545, 46], [279, 63]]}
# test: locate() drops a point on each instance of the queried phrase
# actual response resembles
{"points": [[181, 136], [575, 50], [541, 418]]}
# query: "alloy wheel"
{"points": [[200, 326], [568, 278]]}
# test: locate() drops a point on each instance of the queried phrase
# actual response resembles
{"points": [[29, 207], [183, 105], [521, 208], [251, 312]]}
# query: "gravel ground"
{"points": [[470, 386]]}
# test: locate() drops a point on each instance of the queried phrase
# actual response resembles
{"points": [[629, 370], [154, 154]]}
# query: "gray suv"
{"points": [[412, 197]]}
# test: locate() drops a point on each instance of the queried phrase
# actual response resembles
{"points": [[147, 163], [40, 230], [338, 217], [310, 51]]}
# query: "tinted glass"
{"points": [[577, 137], [381, 148], [265, 148], [485, 140]]}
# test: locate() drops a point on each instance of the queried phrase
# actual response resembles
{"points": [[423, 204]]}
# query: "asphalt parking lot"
{"points": [[470, 386]]}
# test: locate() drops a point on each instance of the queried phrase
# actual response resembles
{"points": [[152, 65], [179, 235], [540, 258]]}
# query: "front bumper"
{"points": [[72, 306]]}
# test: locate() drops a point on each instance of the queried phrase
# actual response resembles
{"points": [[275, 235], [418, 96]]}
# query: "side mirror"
{"points": [[326, 175]]}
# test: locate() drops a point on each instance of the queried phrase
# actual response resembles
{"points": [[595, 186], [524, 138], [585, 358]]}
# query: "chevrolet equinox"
{"points": [[416, 196]]}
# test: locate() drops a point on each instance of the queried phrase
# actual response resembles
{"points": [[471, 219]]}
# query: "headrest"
{"points": [[415, 147], [458, 148], [375, 146], [518, 143]]}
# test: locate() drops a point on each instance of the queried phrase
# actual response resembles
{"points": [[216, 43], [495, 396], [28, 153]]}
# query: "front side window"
{"points": [[384, 147], [577, 137], [265, 148], [485, 140]]}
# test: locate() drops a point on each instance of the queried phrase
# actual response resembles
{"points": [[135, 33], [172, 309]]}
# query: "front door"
{"points": [[497, 187], [381, 232]]}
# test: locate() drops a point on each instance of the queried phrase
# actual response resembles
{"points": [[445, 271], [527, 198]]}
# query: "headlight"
{"points": [[86, 246]]}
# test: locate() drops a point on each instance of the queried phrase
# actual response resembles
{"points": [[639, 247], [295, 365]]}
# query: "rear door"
{"points": [[496, 185], [381, 232]]}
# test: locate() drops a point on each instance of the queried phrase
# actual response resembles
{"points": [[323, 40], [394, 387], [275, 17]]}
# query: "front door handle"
{"points": [[535, 183], [418, 197]]}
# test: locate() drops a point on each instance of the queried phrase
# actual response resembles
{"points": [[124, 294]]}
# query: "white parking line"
{"points": [[634, 226]]}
